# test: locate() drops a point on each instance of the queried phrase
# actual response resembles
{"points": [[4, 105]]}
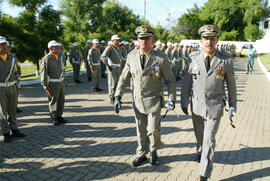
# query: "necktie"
{"points": [[143, 59], [207, 63]]}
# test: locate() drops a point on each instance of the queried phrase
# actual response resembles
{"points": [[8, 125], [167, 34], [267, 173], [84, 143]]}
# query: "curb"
{"points": [[265, 71]]}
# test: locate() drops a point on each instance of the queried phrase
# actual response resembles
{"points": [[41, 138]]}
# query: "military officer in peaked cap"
{"points": [[204, 84], [148, 69], [8, 93]]}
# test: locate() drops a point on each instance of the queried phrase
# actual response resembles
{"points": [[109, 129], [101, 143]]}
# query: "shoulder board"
{"points": [[195, 53]]}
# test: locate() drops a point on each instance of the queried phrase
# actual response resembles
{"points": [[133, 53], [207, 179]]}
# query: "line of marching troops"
{"points": [[145, 66]]}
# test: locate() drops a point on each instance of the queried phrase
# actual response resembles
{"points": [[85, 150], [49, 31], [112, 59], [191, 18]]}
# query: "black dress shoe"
{"points": [[60, 119], [153, 158], [99, 89], [55, 122], [203, 178], [7, 138], [139, 161], [78, 81], [17, 133], [18, 110], [198, 158]]}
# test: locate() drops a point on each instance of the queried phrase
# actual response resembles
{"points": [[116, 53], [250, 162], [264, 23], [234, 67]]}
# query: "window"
{"points": [[266, 24]]}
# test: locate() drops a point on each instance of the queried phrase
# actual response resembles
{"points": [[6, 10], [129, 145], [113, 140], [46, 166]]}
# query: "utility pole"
{"points": [[169, 20], [144, 17]]}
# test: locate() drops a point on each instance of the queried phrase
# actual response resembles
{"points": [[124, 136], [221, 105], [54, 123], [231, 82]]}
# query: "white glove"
{"points": [[232, 112], [170, 105]]}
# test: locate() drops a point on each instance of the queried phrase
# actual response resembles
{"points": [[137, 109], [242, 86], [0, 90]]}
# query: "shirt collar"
{"points": [[211, 56]]}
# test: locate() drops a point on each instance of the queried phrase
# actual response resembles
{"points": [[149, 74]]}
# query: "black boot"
{"points": [[17, 133], [153, 158], [7, 138], [60, 119], [198, 158], [18, 110], [139, 161], [203, 178]]}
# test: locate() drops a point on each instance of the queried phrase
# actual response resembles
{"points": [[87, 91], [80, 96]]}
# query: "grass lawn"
{"points": [[265, 59], [28, 69]]}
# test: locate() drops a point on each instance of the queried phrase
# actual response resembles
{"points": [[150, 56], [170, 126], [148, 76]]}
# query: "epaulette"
{"points": [[223, 55], [195, 53], [159, 53]]}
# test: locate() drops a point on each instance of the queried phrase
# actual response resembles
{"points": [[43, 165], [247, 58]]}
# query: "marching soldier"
{"points": [[158, 46], [85, 54], [52, 75], [18, 73], [111, 57], [8, 93], [93, 59], [204, 84], [103, 66], [175, 61], [75, 60], [148, 69], [181, 59], [168, 51]]}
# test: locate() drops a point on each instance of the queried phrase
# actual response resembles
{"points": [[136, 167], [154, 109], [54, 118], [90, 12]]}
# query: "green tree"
{"points": [[161, 33], [226, 14], [36, 25], [82, 17], [189, 23], [118, 19], [254, 10], [252, 32]]}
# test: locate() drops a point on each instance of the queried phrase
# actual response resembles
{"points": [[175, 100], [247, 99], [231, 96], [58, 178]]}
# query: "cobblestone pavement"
{"points": [[97, 144]]}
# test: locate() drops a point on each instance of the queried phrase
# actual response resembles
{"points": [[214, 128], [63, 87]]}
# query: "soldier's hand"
{"points": [[117, 104], [93, 69], [185, 110], [170, 105], [110, 68], [48, 91], [232, 112]]}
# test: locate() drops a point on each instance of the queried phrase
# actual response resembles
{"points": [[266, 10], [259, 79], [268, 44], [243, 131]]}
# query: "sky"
{"points": [[157, 11]]}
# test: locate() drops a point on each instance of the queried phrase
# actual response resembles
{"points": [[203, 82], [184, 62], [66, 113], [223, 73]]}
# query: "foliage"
{"points": [[229, 36], [118, 19], [81, 18], [252, 32], [265, 58], [33, 29], [188, 24]]}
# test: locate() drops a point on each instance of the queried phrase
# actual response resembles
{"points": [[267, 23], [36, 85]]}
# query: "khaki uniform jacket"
{"points": [[75, 56], [113, 54], [5, 68], [51, 69], [93, 56], [168, 52], [207, 90], [175, 55], [147, 83]]}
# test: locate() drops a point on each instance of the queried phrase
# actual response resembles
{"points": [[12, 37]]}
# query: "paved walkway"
{"points": [[97, 144]]}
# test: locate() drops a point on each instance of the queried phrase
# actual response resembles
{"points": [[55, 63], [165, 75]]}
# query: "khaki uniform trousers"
{"points": [[113, 78], [205, 132], [76, 71], [8, 96], [95, 76], [148, 132], [57, 101]]}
